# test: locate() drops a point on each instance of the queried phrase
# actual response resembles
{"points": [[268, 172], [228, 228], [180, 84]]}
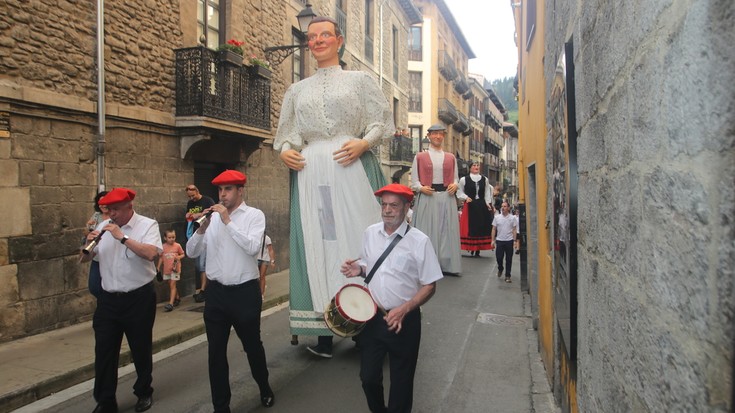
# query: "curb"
{"points": [[37, 391]]}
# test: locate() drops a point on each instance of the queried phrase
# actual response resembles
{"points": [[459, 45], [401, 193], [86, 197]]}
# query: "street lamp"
{"points": [[277, 54]]}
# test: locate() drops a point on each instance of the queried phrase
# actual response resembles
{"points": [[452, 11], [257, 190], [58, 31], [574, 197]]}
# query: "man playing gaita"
{"points": [[232, 237]]}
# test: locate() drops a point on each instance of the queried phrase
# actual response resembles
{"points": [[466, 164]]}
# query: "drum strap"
{"points": [[385, 254]]}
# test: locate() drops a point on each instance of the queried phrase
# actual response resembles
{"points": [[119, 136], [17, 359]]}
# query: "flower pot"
{"points": [[229, 56], [261, 71]]}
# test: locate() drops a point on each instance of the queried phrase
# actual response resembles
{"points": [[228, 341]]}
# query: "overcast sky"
{"points": [[488, 27]]}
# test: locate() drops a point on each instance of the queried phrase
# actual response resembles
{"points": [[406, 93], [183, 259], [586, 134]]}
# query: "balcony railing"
{"points": [[414, 55], [461, 85], [447, 111], [511, 164], [446, 66], [461, 125], [401, 149], [208, 86], [492, 161]]}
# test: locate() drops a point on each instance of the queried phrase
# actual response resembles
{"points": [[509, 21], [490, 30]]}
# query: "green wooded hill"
{"points": [[504, 89]]}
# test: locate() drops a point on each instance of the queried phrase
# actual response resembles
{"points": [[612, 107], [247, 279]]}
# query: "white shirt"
{"points": [[475, 178], [263, 254], [232, 248], [411, 265], [504, 225], [121, 269]]}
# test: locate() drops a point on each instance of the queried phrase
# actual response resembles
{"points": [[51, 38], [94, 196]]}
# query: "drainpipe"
{"points": [[100, 150]]}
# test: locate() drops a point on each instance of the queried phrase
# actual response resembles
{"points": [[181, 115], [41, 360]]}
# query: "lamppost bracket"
{"points": [[275, 55]]}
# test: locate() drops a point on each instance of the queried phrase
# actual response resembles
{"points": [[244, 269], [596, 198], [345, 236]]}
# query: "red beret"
{"points": [[117, 195], [230, 177], [398, 189]]}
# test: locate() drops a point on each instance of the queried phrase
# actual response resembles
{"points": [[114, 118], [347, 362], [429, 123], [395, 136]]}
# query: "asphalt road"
{"points": [[474, 358]]}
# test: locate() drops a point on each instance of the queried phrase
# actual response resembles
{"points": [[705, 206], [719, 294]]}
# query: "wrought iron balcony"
{"points": [[461, 85], [461, 125], [446, 66], [447, 111], [210, 87], [401, 149], [492, 161], [511, 164]]}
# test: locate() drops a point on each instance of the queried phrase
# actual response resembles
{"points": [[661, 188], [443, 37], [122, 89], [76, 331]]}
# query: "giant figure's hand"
{"points": [[293, 159], [427, 190], [351, 151]]}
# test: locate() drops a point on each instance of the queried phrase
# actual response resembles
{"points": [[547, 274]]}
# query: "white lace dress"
{"points": [[336, 203]]}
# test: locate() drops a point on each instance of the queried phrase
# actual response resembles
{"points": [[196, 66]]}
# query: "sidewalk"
{"points": [[37, 366]]}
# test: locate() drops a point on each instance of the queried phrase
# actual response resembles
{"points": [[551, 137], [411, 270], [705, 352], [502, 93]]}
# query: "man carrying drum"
{"points": [[404, 281]]}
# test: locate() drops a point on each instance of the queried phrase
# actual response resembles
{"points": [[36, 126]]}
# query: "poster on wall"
{"points": [[564, 200]]}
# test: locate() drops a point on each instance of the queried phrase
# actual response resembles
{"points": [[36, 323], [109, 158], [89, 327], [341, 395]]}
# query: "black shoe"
{"points": [[268, 399], [144, 403], [199, 297], [321, 351], [177, 302], [105, 408]]}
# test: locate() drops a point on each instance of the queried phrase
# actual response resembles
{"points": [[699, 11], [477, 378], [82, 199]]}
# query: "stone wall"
{"points": [[655, 87], [51, 45], [48, 170]]}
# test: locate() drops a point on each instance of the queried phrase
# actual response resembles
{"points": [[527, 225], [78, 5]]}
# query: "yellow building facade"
{"points": [[534, 193]]}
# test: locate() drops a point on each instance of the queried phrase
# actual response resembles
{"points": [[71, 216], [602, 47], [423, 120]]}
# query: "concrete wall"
{"points": [[655, 87]]}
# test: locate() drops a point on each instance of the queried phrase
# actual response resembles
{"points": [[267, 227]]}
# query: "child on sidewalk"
{"points": [[267, 257], [171, 262]]}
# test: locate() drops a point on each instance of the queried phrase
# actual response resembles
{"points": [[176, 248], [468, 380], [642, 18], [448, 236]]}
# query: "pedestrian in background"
{"points": [[96, 222], [194, 210], [328, 123], [170, 266], [505, 229], [232, 238], [266, 258], [400, 285], [127, 304]]}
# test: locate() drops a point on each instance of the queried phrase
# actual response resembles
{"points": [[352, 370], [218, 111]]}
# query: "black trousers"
{"points": [[132, 314], [402, 350], [239, 307], [504, 248]]}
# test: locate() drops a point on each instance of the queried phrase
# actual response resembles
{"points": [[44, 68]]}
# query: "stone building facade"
{"points": [[653, 294], [48, 132], [50, 146]]}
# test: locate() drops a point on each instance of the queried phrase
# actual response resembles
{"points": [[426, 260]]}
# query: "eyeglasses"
{"points": [[323, 35]]}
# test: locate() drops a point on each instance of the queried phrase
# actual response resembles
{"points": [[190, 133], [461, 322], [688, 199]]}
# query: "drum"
{"points": [[350, 309]]}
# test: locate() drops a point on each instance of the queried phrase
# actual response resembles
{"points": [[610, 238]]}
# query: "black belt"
{"points": [[214, 283], [131, 292], [438, 187]]}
